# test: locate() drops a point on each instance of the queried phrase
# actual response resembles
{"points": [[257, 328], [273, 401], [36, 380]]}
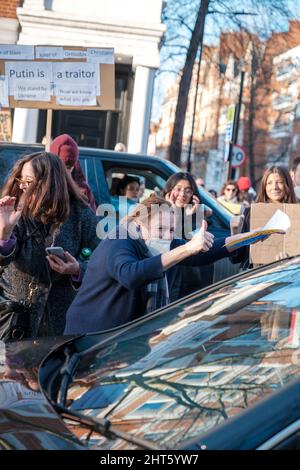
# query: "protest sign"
{"points": [[270, 249], [5, 125], [57, 77]]}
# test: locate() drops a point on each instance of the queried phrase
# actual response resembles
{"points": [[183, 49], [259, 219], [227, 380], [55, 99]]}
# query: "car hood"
{"points": [[27, 421], [180, 372]]}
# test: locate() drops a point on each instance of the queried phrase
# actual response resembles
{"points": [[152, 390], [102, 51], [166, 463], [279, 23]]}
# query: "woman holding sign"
{"points": [[276, 188]]}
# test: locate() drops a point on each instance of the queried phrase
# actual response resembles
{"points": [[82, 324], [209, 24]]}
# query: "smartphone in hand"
{"points": [[57, 251]]}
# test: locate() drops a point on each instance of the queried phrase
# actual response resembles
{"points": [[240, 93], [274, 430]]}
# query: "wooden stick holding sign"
{"points": [[48, 129]]}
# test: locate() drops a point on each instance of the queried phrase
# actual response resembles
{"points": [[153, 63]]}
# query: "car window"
{"points": [[201, 361], [8, 157], [88, 168], [152, 182]]}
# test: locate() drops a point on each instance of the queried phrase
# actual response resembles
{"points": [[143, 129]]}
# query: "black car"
{"points": [[100, 167], [218, 369]]}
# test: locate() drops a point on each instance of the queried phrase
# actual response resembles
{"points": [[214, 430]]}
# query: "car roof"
{"points": [[124, 158], [96, 152], [180, 372]]}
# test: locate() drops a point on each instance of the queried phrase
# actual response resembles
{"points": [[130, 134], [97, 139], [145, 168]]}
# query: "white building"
{"points": [[134, 29]]}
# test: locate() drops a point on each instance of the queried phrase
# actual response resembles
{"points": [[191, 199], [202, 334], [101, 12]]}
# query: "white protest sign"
{"points": [[75, 95], [100, 55], [16, 52], [76, 73], [49, 53], [72, 54], [29, 80], [33, 91], [4, 103], [279, 220]]}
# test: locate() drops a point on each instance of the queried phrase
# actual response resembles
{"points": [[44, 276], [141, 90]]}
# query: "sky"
{"points": [[214, 24]]}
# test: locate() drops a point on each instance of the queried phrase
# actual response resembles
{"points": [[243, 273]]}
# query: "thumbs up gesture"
{"points": [[202, 241]]}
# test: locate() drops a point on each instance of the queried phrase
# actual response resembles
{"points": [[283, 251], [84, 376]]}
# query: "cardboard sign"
{"points": [[270, 249], [57, 77], [5, 126]]}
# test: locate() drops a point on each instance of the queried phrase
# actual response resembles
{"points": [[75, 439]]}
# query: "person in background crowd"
{"points": [[244, 184], [295, 175], [67, 150], [120, 147], [200, 182], [129, 186], [276, 187], [230, 197], [182, 192], [40, 207], [126, 275], [229, 192], [213, 193]]}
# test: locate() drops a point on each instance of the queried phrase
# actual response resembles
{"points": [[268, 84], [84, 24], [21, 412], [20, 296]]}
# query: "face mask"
{"points": [[297, 191], [157, 246]]}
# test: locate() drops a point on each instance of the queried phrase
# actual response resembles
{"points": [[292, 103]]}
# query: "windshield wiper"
{"points": [[104, 427]]}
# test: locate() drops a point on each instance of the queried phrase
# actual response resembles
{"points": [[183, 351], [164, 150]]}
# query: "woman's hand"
{"points": [[70, 266], [171, 198], [202, 241], [236, 224], [281, 255], [9, 217], [193, 206]]}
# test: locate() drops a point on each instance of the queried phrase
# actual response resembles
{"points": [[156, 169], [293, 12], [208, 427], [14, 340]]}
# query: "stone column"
{"points": [[25, 125], [141, 110]]}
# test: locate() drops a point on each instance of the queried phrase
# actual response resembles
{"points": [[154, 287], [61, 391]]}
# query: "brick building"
{"points": [[269, 115], [9, 24], [133, 28]]}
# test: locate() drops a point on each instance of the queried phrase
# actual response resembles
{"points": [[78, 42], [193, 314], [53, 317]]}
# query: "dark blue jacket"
{"points": [[114, 288]]}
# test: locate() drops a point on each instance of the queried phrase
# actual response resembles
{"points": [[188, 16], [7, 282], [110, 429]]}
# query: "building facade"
{"points": [[133, 29], [269, 119]]}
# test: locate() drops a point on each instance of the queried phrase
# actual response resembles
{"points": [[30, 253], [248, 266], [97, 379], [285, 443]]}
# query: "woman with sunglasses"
{"points": [[229, 192], [41, 206], [230, 197]]}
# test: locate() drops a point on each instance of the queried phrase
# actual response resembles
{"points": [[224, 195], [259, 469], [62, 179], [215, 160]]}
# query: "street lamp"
{"points": [[235, 130], [188, 165]]}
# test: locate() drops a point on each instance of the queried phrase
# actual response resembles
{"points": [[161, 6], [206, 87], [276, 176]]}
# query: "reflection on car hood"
{"points": [[27, 421], [200, 361]]}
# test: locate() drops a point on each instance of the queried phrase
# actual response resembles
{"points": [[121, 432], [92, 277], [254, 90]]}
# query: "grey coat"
{"points": [[54, 292]]}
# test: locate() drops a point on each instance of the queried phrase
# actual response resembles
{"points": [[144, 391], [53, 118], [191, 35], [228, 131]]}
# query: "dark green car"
{"points": [[100, 167]]}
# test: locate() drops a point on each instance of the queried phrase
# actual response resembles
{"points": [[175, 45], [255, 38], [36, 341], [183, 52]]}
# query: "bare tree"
{"points": [[184, 40], [185, 82]]}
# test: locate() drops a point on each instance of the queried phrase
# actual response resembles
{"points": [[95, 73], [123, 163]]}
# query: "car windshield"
{"points": [[201, 361]]}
